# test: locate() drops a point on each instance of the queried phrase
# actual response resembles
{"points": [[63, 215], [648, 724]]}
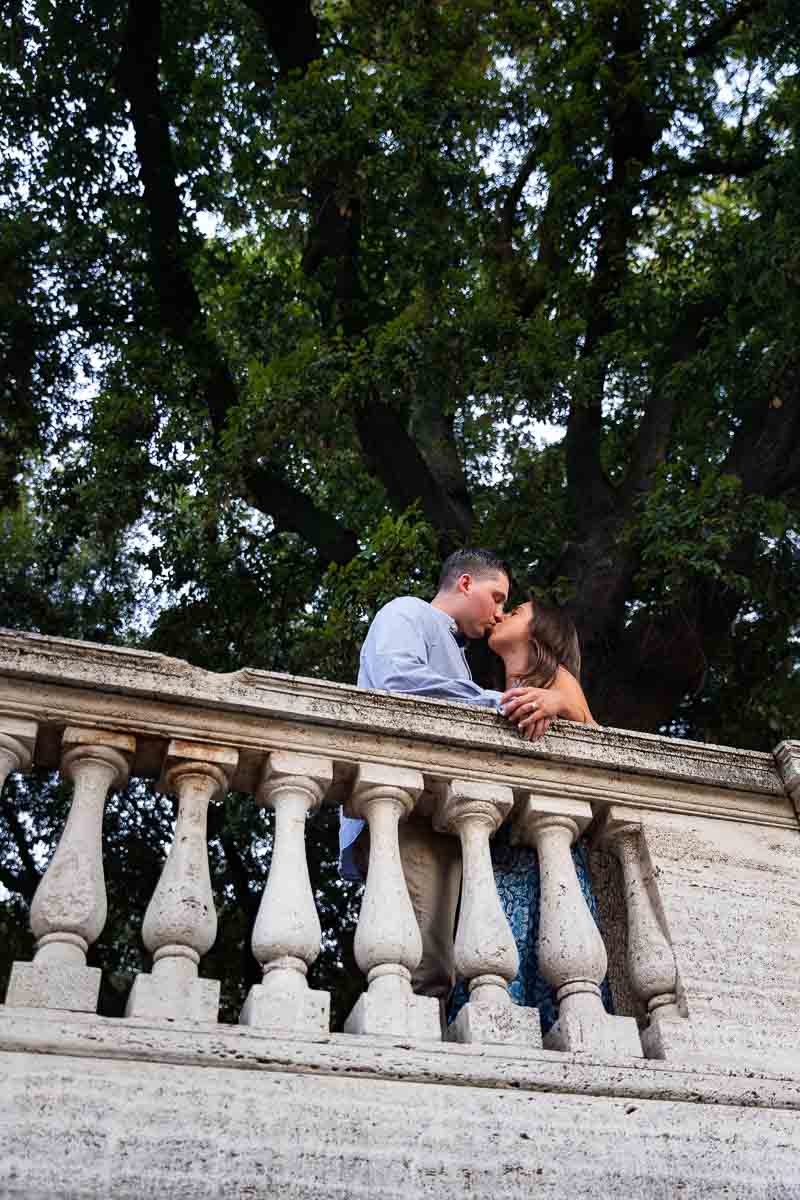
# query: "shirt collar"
{"points": [[461, 638]]}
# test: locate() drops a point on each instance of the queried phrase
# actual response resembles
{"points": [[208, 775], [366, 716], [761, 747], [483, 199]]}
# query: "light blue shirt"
{"points": [[416, 649]]}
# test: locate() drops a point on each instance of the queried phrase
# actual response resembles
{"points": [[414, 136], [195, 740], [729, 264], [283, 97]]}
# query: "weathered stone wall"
{"points": [[237, 1116], [729, 893]]}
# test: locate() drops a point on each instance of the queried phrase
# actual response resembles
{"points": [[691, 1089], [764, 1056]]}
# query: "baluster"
{"points": [[650, 959], [287, 932], [17, 740], [180, 924], [571, 954], [787, 760], [69, 907], [388, 945], [485, 951]]}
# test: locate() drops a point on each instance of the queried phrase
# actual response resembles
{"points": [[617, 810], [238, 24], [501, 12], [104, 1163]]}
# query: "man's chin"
{"points": [[479, 633]]}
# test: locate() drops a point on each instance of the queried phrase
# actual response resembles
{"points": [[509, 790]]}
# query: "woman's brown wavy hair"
{"points": [[553, 643]]}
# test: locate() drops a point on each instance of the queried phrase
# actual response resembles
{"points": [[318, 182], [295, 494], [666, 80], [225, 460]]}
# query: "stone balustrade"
{"points": [[695, 845], [287, 933]]}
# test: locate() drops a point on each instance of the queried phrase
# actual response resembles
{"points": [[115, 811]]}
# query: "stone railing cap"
{"points": [[142, 674]]}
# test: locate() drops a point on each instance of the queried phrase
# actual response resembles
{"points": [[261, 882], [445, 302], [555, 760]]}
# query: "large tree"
{"points": [[299, 296], [317, 263]]}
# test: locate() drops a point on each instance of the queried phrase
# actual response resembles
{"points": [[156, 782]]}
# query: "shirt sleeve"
{"points": [[397, 654]]}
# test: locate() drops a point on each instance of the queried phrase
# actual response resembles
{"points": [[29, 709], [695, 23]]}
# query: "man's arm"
{"points": [[397, 661]]}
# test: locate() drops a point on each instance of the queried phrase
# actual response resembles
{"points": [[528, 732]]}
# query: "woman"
{"points": [[538, 648]]}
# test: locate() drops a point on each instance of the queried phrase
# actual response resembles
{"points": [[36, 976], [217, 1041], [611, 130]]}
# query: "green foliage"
{"points": [[691, 525], [397, 558]]}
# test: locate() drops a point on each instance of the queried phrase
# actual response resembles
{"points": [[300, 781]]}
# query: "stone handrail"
{"points": [[666, 811]]}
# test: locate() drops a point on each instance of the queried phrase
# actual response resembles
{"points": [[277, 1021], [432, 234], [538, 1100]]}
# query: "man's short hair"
{"points": [[473, 560]]}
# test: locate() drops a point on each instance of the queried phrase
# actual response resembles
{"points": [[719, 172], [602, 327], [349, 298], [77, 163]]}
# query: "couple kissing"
{"points": [[417, 648]]}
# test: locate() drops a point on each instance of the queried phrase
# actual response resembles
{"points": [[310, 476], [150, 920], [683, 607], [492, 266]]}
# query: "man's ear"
{"points": [[464, 583]]}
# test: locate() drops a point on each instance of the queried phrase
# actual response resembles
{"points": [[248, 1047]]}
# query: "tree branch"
{"points": [[508, 212], [393, 453], [240, 879], [634, 131], [239, 876], [14, 883], [138, 78], [718, 30], [659, 660], [739, 166], [528, 286], [30, 881], [292, 509], [765, 451], [600, 562], [292, 31], [691, 333], [180, 310], [406, 476]]}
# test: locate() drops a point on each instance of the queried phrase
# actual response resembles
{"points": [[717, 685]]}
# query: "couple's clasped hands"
{"points": [[532, 709]]}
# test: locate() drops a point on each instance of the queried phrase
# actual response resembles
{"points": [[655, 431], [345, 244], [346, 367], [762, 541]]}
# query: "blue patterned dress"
{"points": [[516, 873]]}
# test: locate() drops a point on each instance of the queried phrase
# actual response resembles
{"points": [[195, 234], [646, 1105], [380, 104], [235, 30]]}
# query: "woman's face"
{"points": [[513, 630]]}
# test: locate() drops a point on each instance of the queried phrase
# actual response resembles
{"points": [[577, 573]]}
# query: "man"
{"points": [[417, 648]]}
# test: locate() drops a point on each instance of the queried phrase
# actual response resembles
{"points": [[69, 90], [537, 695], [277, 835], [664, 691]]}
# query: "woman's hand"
{"points": [[532, 709]]}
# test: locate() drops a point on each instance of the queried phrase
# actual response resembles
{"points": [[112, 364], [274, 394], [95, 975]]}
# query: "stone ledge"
{"points": [[92, 1127], [57, 681], [139, 673], [512, 1068]]}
